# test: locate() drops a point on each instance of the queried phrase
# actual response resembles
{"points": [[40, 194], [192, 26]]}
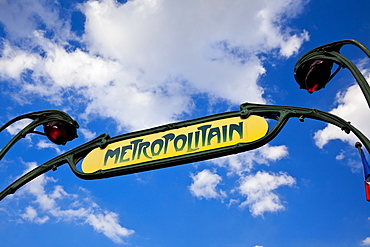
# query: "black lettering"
{"points": [[134, 150], [203, 129], [167, 138], [159, 143], [110, 154], [142, 147], [181, 137], [238, 128], [224, 133], [123, 153], [190, 140], [212, 133]]}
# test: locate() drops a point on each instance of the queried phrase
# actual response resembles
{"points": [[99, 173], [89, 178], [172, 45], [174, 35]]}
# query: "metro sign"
{"points": [[182, 142], [175, 144]]}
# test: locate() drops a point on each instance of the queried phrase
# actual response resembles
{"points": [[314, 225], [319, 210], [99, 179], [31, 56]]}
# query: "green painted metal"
{"points": [[331, 52], [281, 114], [38, 118]]}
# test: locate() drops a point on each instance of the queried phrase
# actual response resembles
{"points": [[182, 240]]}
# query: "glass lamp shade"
{"points": [[313, 75], [60, 132]]}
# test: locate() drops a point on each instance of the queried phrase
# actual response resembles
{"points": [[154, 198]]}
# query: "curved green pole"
{"points": [[287, 112], [331, 52], [280, 113], [337, 45], [38, 118], [70, 157]]}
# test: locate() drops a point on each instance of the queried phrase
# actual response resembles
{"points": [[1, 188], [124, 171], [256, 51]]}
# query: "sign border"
{"points": [[176, 160]]}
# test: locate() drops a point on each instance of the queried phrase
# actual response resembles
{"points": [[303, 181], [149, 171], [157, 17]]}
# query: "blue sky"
{"points": [[122, 66]]}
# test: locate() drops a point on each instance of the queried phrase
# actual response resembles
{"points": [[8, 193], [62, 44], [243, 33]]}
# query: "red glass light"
{"points": [[314, 87], [59, 132], [314, 75]]}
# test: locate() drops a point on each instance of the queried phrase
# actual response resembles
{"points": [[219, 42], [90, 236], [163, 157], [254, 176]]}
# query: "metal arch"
{"points": [[331, 52], [280, 113], [38, 118]]}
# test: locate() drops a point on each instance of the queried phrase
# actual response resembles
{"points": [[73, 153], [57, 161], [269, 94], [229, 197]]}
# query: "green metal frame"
{"points": [[38, 118], [331, 52], [279, 113]]}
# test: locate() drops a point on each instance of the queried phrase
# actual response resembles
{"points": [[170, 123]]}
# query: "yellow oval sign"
{"points": [[176, 142]]}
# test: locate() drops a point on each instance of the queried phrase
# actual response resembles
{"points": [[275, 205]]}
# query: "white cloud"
{"points": [[88, 134], [22, 17], [156, 55], [143, 63], [340, 156], [30, 214], [15, 61], [258, 188], [366, 242], [59, 205], [204, 185], [273, 153], [205, 54], [245, 162], [47, 144], [293, 44], [351, 107], [259, 191], [18, 126], [107, 223]]}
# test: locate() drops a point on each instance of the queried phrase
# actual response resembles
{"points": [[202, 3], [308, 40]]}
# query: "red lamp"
{"points": [[313, 75], [60, 132]]}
